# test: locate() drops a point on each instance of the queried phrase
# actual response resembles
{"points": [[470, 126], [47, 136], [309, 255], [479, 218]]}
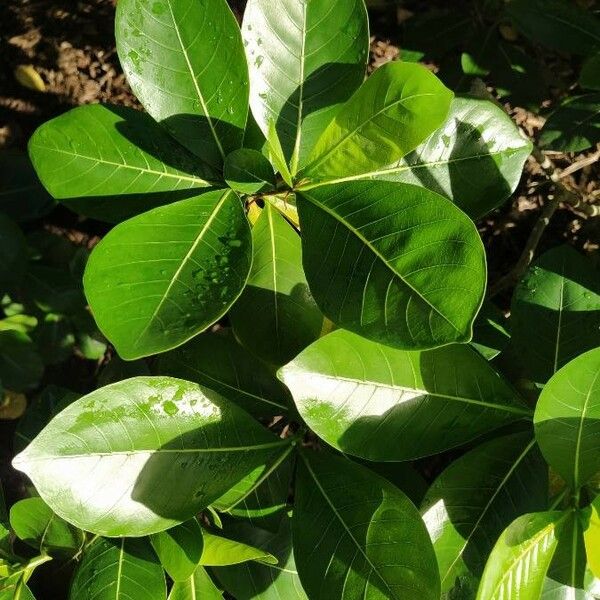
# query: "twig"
{"points": [[586, 161]]}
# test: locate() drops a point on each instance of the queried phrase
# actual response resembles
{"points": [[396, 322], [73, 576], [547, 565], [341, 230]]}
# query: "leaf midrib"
{"points": [[580, 429]]}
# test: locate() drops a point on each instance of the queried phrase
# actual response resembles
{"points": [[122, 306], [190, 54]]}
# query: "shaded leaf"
{"points": [[21, 367], [248, 172], [13, 250], [219, 551]]}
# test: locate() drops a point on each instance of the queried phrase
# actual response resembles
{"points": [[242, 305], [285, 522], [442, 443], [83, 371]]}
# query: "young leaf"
{"points": [[557, 24], [13, 249], [555, 312], [177, 448], [259, 581], [119, 570], [21, 366], [179, 549], [517, 566], [111, 162], [392, 112], [276, 316], [199, 586], [574, 126], [217, 361], [394, 262], [34, 522], [567, 419], [160, 278], [356, 536], [219, 551], [248, 172], [362, 397], [476, 158], [185, 62], [305, 59], [476, 497]]}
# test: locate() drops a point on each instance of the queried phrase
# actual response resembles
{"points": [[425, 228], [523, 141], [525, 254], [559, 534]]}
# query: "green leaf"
{"points": [[557, 24], [356, 536], [21, 367], [176, 446], [276, 316], [567, 419], [393, 111], [394, 262], [555, 313], [13, 250], [248, 172], [179, 549], [119, 570], [305, 60], [219, 551], [53, 290], [259, 581], [475, 158], [54, 338], [162, 277], [591, 535], [574, 126], [185, 62], [362, 397], [477, 497], [118, 369], [111, 162], [517, 566], [490, 333], [217, 361], [199, 586], [589, 78], [14, 588], [35, 523]]}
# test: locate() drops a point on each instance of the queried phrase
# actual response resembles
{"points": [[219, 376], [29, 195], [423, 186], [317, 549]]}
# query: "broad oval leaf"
{"points": [[362, 397], [392, 112], [199, 586], [35, 523], [179, 549], [476, 498], [574, 126], [276, 317], [517, 566], [217, 361], [176, 446], [160, 278], [111, 162], [555, 312], [305, 59], [119, 570], [567, 419], [184, 60], [358, 537], [475, 158], [248, 172], [219, 551], [13, 249], [394, 262]]}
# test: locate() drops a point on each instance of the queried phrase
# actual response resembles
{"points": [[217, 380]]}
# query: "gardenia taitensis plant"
{"points": [[329, 218]]}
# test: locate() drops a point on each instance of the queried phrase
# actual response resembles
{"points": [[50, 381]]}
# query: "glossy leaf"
{"points": [[177, 448], [248, 172], [35, 523], [362, 397], [111, 162], [393, 111], [574, 126], [557, 24], [305, 59], [475, 158], [555, 313], [164, 276], [476, 498], [591, 536], [217, 361], [276, 316], [13, 588], [119, 570], [567, 419], [517, 566], [220, 551], [199, 586], [490, 333], [394, 262], [13, 250], [21, 366], [356, 536], [185, 62], [179, 549], [259, 581]]}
